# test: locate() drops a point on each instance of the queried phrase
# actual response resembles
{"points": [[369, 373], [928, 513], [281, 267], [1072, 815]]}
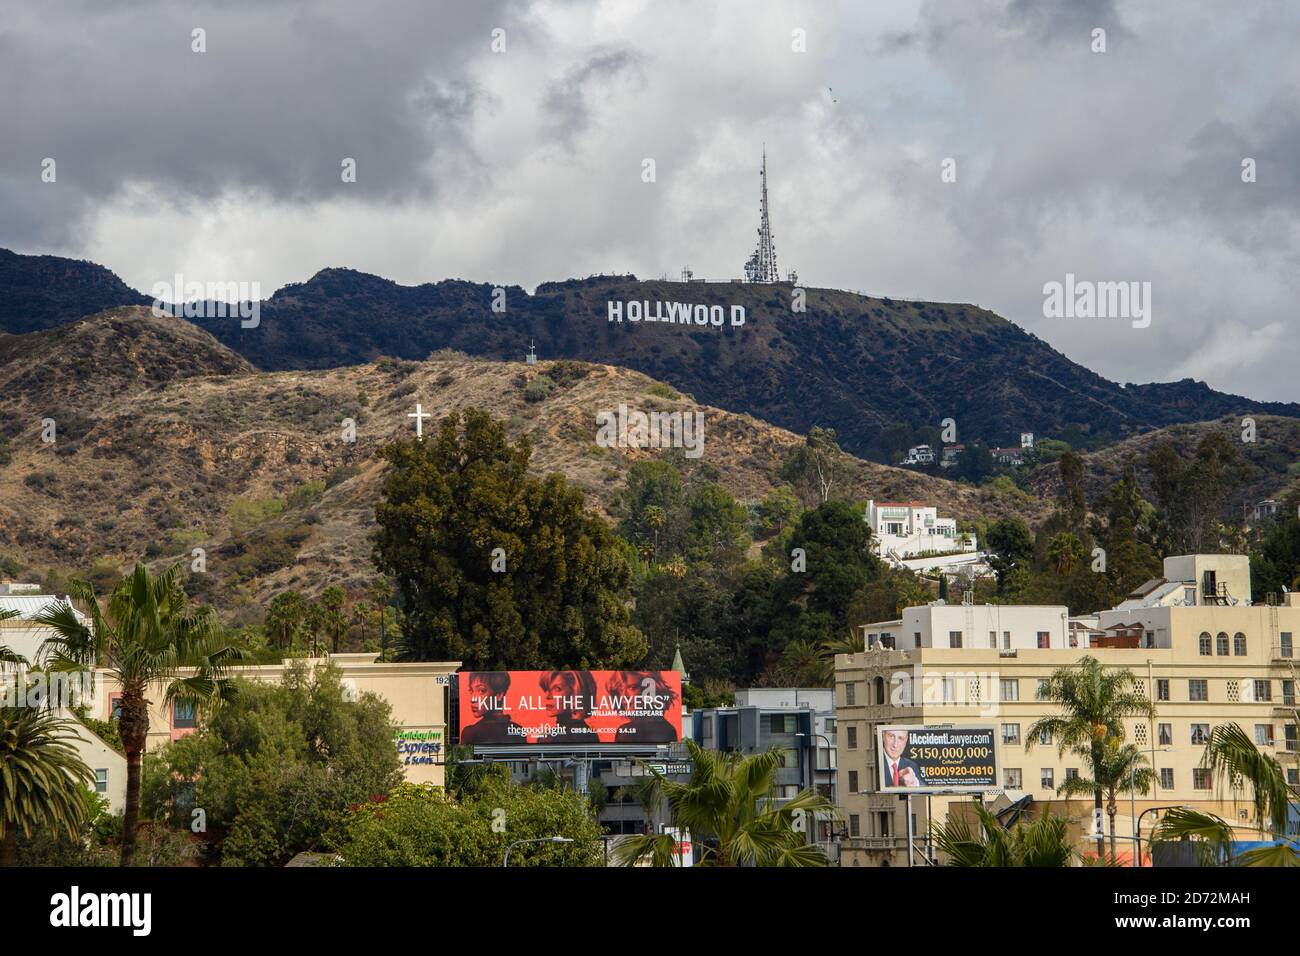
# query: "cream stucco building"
{"points": [[1200, 658]]}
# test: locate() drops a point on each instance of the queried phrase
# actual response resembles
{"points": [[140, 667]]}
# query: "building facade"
{"points": [[1199, 664]]}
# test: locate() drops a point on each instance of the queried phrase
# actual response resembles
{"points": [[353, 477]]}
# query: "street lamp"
{"points": [[505, 861]]}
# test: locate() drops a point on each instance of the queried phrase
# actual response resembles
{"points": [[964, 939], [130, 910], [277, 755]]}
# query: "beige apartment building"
{"points": [[1199, 651], [417, 693]]}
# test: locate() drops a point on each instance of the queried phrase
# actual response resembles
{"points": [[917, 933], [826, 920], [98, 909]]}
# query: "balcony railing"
{"points": [[1283, 652]]}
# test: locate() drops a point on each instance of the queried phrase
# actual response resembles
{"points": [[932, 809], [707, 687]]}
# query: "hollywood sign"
{"points": [[675, 313]]}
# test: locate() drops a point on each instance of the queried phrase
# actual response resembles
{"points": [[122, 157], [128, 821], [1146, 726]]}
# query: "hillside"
{"points": [[1272, 460], [858, 364], [181, 444]]}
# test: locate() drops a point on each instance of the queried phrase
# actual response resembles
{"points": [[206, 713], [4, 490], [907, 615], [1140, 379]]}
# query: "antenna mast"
{"points": [[761, 266]]}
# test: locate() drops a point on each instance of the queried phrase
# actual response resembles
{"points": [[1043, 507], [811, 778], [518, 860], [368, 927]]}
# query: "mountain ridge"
{"points": [[878, 370]]}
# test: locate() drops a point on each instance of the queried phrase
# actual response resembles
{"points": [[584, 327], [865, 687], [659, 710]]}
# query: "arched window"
{"points": [[1221, 644], [880, 690], [1205, 644], [1239, 644]]}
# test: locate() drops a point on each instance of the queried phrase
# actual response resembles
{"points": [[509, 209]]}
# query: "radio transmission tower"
{"points": [[761, 266]]}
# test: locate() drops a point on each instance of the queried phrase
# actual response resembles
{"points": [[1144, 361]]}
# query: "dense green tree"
{"points": [[496, 568], [651, 507], [422, 825], [1275, 563], [1010, 546], [715, 531], [276, 770], [976, 463], [1194, 494]]}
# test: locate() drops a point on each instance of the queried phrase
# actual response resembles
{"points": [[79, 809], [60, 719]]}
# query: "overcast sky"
{"points": [[526, 165]]}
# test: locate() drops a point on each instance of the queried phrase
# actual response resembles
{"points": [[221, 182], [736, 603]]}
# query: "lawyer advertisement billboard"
{"points": [[914, 758], [569, 708]]}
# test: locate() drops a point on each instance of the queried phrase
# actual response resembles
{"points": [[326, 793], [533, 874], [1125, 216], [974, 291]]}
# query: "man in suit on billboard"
{"points": [[899, 771]]}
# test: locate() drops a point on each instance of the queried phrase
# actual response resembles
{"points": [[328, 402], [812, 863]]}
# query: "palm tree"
{"points": [[1095, 702], [42, 777], [1038, 843], [7, 656], [381, 592], [1065, 551], [146, 634], [728, 806], [1121, 768], [332, 600], [1233, 759], [284, 618]]}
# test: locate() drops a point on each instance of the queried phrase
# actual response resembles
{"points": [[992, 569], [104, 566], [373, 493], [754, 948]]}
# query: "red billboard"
{"points": [[569, 708]]}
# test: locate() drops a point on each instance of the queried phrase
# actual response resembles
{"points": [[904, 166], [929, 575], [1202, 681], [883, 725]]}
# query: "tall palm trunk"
{"points": [[9, 845], [1111, 810], [133, 727], [1096, 801]]}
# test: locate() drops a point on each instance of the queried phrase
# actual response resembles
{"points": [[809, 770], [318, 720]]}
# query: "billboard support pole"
{"points": [[911, 841]]}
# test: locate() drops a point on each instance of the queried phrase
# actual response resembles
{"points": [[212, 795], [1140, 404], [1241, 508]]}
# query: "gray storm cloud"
{"points": [[526, 165]]}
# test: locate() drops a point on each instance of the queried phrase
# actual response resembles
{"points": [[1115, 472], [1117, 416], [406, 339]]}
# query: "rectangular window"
{"points": [[1047, 778], [1288, 692], [1239, 645], [1221, 645], [954, 638], [884, 823], [1011, 778], [1200, 734], [101, 781], [182, 714], [1011, 733], [1006, 640], [1166, 778], [1044, 638], [1040, 692], [1264, 735], [1166, 735], [1045, 737], [778, 723], [853, 781], [115, 708], [1162, 689], [855, 825], [1071, 773], [850, 694], [993, 639], [1201, 778], [851, 733], [1198, 690], [1263, 690], [1010, 688], [1285, 649]]}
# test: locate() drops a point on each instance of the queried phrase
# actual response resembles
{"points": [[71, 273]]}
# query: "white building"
{"points": [[1003, 627], [906, 530], [24, 636], [919, 455]]}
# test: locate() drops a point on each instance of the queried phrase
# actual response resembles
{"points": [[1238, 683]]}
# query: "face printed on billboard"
{"points": [[928, 759], [569, 708]]}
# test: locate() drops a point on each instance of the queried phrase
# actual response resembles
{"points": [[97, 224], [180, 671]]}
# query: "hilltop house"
{"points": [[907, 530]]}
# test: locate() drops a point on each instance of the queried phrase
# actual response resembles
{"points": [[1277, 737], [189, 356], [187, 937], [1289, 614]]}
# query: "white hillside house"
{"points": [[903, 530]]}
